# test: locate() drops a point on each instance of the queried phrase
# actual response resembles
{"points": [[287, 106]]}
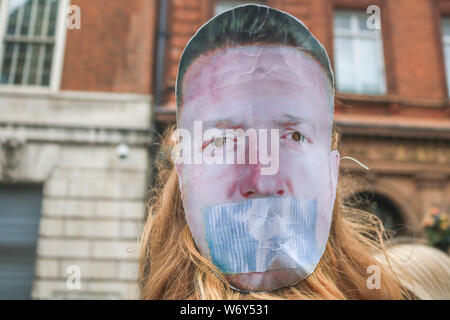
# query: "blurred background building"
{"points": [[81, 108]]}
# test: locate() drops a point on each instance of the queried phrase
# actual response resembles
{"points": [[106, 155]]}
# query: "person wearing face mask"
{"points": [[250, 80]]}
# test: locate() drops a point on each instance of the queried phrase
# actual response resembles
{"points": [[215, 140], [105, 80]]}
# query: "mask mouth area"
{"points": [[263, 234], [265, 281]]}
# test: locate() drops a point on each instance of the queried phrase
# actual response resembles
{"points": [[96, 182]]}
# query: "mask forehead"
{"points": [[229, 71], [251, 25], [257, 87]]}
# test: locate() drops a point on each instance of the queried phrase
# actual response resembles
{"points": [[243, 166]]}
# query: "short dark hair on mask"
{"points": [[251, 25]]}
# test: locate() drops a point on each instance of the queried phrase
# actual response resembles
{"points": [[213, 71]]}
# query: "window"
{"points": [[446, 44], [20, 213], [30, 41], [358, 54], [224, 5]]}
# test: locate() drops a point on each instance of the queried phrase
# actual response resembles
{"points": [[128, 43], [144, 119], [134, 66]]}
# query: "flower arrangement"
{"points": [[437, 228]]}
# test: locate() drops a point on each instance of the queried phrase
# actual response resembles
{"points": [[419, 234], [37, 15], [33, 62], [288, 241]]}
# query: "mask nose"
{"points": [[255, 185], [255, 180]]}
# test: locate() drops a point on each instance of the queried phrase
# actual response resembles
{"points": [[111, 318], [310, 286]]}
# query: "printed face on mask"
{"points": [[263, 231]]}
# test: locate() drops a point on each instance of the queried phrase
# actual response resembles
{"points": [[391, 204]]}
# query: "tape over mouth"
{"points": [[263, 234]]}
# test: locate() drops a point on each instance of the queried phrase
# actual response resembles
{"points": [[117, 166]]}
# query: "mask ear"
{"points": [[179, 167], [335, 160], [175, 155]]}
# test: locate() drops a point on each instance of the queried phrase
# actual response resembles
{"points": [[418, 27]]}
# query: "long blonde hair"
{"points": [[171, 266]]}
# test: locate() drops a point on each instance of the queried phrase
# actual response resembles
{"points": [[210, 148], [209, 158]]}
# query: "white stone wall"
{"points": [[93, 201]]}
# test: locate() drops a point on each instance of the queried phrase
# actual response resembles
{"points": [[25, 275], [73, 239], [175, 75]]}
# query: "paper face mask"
{"points": [[257, 175]]}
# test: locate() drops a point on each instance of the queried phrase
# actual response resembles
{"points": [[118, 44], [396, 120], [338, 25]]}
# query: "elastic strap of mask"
{"points": [[353, 159]]}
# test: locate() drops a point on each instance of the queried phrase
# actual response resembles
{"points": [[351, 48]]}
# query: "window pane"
{"points": [[7, 60], [33, 64], [12, 21], [26, 18], [344, 64], [342, 21], [224, 5], [47, 65], [22, 47], [39, 17], [447, 64], [13, 5], [446, 26], [446, 44], [369, 76], [362, 22], [52, 18]]}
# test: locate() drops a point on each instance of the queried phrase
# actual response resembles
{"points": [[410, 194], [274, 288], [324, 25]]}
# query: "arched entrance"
{"points": [[383, 207]]}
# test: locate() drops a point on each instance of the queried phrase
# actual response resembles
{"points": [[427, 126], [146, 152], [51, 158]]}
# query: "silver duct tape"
{"points": [[263, 234]]}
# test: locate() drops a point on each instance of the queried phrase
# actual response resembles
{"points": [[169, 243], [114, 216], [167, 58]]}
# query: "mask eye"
{"points": [[219, 142], [294, 140], [298, 137], [215, 143]]}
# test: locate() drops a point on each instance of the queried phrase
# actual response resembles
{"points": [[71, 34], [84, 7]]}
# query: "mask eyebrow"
{"points": [[226, 123], [287, 120]]}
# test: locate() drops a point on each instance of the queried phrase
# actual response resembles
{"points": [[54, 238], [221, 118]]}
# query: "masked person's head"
{"points": [[257, 171], [258, 71]]}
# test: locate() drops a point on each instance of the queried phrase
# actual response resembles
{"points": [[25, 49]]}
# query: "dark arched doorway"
{"points": [[383, 207]]}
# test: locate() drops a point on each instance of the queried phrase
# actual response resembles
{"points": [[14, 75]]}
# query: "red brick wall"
{"points": [[123, 56], [316, 15], [185, 17], [417, 64], [113, 51]]}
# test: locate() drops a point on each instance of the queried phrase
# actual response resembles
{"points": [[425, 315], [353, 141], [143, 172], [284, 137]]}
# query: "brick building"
{"points": [[78, 108], [68, 99]]}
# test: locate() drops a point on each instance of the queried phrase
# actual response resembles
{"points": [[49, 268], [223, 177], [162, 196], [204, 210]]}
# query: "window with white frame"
{"points": [[358, 54], [29, 41], [446, 44], [224, 5]]}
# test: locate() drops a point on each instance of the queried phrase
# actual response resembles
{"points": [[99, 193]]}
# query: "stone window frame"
{"points": [[442, 11], [445, 40], [58, 51]]}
